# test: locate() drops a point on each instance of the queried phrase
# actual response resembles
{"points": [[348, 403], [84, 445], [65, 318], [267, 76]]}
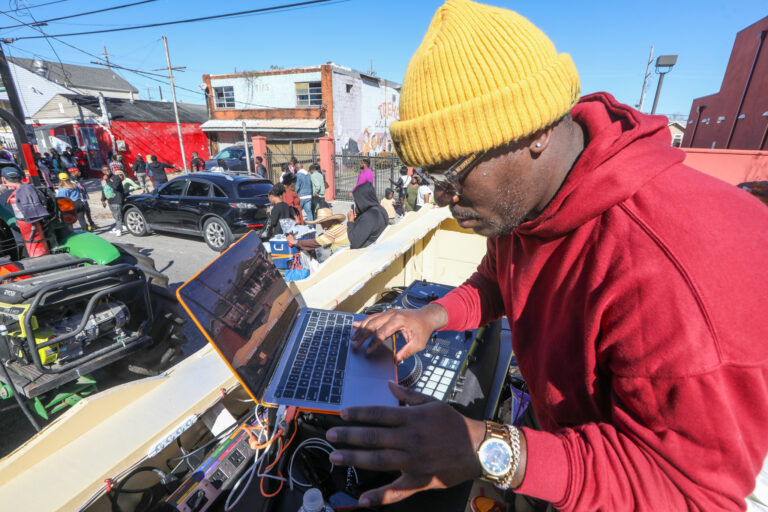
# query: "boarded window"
{"points": [[309, 94]]}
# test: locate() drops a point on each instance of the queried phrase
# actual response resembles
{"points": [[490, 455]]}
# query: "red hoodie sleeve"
{"points": [[477, 301]]}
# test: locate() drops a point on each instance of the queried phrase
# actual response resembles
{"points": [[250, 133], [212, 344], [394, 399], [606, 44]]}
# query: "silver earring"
{"points": [[538, 144]]}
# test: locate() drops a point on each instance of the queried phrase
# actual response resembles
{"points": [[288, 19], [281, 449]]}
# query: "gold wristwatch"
{"points": [[499, 454]]}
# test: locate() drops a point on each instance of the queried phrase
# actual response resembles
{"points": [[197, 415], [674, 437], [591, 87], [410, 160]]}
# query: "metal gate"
{"points": [[386, 171]]}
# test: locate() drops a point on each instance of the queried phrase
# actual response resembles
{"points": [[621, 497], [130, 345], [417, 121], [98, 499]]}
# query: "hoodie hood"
{"points": [[625, 149], [365, 197]]}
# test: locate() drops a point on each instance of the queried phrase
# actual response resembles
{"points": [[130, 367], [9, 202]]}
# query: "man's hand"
{"points": [[351, 215], [290, 239], [429, 442], [416, 326], [103, 204]]}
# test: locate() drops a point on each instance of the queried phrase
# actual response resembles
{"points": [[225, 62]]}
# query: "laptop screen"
{"points": [[244, 306]]}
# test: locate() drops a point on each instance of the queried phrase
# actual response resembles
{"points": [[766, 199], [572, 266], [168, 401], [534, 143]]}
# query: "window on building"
{"points": [[677, 140], [224, 97], [309, 94]]}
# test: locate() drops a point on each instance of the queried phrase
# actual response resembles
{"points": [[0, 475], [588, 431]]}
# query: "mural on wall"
{"points": [[374, 137]]}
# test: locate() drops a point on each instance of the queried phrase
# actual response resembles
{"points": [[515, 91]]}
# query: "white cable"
{"points": [[316, 443]]}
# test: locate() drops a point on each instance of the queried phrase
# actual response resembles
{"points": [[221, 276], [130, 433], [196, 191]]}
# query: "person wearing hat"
{"points": [[332, 240], [128, 184], [70, 190], [28, 208], [631, 282], [76, 178]]}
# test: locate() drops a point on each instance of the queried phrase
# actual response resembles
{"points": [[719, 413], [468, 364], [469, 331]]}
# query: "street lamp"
{"points": [[664, 64]]}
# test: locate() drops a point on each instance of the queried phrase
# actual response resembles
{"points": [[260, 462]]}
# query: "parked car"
{"points": [[233, 156], [219, 207]]}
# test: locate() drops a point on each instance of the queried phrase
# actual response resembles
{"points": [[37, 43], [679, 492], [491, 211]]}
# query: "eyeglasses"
{"points": [[449, 182]]}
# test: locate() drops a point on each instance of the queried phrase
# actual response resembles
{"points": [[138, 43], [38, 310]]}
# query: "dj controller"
{"points": [[438, 370]]}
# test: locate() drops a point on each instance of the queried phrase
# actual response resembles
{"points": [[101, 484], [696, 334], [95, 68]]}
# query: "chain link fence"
{"points": [[347, 168]]}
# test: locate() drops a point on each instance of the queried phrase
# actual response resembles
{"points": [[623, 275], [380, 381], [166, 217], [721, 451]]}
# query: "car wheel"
{"points": [[135, 222], [217, 234]]}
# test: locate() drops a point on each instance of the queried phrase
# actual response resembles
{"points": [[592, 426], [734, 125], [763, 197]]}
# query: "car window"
{"points": [[198, 189], [253, 188], [230, 154], [174, 188], [217, 192]]}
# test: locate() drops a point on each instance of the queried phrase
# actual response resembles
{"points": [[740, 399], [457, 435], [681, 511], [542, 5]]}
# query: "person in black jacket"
{"points": [[368, 219], [280, 210], [157, 171], [140, 171]]}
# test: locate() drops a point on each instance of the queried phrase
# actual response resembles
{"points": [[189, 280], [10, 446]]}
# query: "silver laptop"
{"points": [[283, 354]]}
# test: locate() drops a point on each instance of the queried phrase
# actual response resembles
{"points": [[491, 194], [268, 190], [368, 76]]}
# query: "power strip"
{"points": [[215, 475]]}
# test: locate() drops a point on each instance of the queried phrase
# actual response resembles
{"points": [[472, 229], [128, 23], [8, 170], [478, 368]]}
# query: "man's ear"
{"points": [[540, 141]]}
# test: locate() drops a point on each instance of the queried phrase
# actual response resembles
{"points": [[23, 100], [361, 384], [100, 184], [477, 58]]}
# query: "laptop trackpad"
{"points": [[367, 377]]}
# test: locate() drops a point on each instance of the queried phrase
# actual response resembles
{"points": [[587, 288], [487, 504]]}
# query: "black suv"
{"points": [[216, 206]]}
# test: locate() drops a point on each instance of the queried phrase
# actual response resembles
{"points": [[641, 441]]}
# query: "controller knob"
{"points": [[409, 371]]}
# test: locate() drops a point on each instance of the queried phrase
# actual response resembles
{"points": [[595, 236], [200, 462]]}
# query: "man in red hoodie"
{"points": [[634, 286]]}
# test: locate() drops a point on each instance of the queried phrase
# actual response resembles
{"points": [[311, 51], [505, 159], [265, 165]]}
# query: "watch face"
{"points": [[495, 457]]}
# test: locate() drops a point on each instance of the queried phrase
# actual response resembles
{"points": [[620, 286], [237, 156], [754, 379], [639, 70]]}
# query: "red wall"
{"points": [[160, 139], [731, 166]]}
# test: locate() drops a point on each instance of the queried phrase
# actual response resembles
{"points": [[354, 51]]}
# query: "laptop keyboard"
{"points": [[317, 371]]}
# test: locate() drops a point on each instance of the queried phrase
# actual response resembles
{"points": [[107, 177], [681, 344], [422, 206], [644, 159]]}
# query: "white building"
{"points": [[293, 107]]}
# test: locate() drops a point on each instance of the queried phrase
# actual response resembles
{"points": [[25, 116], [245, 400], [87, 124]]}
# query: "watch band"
{"points": [[514, 443], [510, 435]]}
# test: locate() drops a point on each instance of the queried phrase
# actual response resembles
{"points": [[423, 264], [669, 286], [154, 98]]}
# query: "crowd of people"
{"points": [[300, 197]]}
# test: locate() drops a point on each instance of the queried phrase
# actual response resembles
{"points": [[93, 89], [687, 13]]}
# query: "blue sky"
{"points": [[609, 41]]}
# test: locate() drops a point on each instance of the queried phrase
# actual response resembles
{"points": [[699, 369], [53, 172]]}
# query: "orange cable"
{"points": [[277, 459]]}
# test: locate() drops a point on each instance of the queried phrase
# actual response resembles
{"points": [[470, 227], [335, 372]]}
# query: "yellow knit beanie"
{"points": [[482, 77]]}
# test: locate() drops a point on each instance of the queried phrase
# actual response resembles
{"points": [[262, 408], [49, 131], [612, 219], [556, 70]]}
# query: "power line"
{"points": [[63, 71], [25, 8], [178, 22], [145, 74], [81, 14]]}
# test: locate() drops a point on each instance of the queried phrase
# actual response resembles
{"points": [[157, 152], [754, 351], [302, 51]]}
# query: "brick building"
{"points": [[292, 108], [736, 117]]}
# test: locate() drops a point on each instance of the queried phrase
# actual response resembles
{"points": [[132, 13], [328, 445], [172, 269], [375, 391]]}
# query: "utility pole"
{"points": [[160, 88], [106, 56], [247, 150], [149, 94], [175, 106], [645, 80], [27, 133]]}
